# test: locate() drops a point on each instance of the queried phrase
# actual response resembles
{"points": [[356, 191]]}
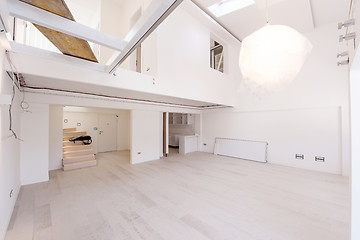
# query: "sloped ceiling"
{"points": [[302, 15]]}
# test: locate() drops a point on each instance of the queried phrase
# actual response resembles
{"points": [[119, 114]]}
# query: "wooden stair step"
{"points": [[74, 133], [68, 143], [69, 129], [66, 138], [76, 148], [77, 165], [78, 152], [80, 158]]}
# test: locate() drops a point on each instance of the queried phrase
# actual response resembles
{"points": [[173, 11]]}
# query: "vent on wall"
{"points": [[244, 149]]}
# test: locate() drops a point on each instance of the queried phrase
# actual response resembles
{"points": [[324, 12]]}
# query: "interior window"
{"points": [[216, 56]]}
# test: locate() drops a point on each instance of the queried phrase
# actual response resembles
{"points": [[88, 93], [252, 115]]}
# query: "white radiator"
{"points": [[244, 149]]}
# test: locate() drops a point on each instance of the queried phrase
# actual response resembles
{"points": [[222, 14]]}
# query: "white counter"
{"points": [[188, 144]]}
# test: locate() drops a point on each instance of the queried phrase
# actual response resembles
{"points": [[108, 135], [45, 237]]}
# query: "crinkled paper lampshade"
{"points": [[271, 57]]}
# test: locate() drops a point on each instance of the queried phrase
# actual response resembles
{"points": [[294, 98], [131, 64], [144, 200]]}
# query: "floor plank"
{"points": [[197, 196]]}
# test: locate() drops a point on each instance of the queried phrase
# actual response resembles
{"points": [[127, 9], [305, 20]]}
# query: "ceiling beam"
{"points": [[157, 12], [49, 20]]}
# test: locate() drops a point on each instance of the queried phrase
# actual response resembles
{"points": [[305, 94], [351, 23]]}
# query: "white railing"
{"points": [[26, 33]]}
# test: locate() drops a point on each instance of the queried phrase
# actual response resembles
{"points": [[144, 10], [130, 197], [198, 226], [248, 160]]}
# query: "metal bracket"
{"points": [[347, 23], [347, 37], [345, 62], [343, 54]]}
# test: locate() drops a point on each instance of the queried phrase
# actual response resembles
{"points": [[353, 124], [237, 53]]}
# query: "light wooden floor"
{"points": [[200, 196]]}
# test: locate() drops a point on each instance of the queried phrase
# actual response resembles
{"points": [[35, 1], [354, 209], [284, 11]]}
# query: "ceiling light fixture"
{"points": [[271, 57], [227, 6]]}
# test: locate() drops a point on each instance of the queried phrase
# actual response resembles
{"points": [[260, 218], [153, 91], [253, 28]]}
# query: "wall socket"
{"points": [[319, 159], [138, 152], [299, 156]]}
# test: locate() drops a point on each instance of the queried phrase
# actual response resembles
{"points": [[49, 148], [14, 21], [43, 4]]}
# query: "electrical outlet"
{"points": [[299, 156], [138, 152], [319, 159]]}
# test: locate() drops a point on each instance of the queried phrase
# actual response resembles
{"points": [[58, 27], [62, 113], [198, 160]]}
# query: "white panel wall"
{"points": [[312, 132], [9, 151], [34, 149], [55, 137], [146, 132]]}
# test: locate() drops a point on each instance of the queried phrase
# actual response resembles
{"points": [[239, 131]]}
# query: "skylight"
{"points": [[227, 6]]}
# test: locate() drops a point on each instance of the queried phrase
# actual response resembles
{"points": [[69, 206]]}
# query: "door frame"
{"points": [[165, 117], [99, 130]]}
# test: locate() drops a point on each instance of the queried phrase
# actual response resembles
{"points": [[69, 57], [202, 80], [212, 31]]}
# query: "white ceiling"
{"points": [[302, 15]]}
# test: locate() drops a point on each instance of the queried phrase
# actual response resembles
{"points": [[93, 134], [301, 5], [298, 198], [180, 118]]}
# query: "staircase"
{"points": [[76, 155]]}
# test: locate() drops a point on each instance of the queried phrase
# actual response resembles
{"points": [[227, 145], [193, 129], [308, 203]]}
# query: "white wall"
{"points": [[352, 46], [312, 132], [183, 55], [9, 150], [180, 64], [146, 132], [355, 155], [355, 143], [320, 82], [123, 129], [55, 137], [355, 124], [282, 118], [34, 147], [119, 14]]}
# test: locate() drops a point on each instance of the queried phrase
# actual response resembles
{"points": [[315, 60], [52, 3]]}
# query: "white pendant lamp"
{"points": [[271, 57]]}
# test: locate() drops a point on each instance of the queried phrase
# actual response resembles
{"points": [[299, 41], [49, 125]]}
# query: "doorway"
{"points": [[179, 125], [107, 133]]}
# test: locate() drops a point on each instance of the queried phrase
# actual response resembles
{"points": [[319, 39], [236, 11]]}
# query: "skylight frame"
{"points": [[225, 7]]}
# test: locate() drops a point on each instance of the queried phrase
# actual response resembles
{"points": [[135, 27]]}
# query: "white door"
{"points": [[107, 133]]}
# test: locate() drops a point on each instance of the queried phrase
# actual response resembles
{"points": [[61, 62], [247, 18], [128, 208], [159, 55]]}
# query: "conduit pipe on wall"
{"points": [[126, 99]]}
